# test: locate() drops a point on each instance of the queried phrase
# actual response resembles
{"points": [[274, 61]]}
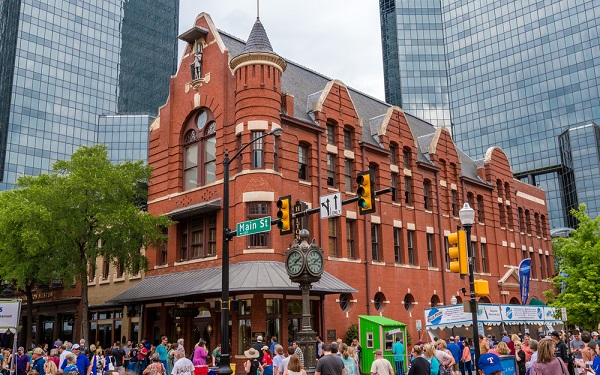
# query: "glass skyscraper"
{"points": [[522, 75], [65, 62]]}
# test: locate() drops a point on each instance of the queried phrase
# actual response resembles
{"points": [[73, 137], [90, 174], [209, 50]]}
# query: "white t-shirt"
{"points": [[183, 366], [63, 357], [284, 364], [381, 366]]}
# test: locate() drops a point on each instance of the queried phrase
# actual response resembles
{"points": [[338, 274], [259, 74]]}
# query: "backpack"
{"points": [[133, 355], [112, 363]]}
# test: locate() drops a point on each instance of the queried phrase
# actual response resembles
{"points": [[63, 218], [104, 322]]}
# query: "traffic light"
{"points": [[481, 287], [366, 192], [458, 251], [285, 214]]}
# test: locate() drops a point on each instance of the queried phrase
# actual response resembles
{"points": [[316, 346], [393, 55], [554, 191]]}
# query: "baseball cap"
{"points": [[21, 348], [555, 334], [489, 363], [378, 352], [75, 346], [594, 333]]}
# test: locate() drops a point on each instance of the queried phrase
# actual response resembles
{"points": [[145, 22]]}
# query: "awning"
{"points": [[195, 209], [244, 277], [193, 34]]}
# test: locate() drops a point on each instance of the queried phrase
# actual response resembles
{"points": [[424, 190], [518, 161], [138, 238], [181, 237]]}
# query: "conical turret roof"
{"points": [[258, 41]]}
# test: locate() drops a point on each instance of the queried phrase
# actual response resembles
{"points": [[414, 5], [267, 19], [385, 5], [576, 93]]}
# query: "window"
{"points": [[528, 221], [499, 187], [427, 195], [345, 301], [331, 170], [502, 211], [507, 191], [398, 253], [162, 252], [509, 214], [370, 341], [394, 183], [348, 139], [430, 250], [407, 191], [542, 267], [375, 249], [533, 265], [393, 154], [91, 272], [350, 235], [521, 220], [105, 267], [538, 225], [332, 236], [434, 301], [257, 210], [303, 162], [198, 237], [484, 261], [199, 149], [544, 227], [480, 209], [475, 257], [276, 141], [379, 301], [408, 302], [257, 150], [410, 244], [330, 134], [244, 333], [454, 203], [348, 175], [406, 156], [471, 200], [273, 321]]}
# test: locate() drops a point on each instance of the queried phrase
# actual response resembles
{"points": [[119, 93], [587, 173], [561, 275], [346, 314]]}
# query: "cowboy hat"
{"points": [[251, 353]]}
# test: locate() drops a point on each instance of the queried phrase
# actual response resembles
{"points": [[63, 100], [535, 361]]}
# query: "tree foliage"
{"points": [[577, 286], [89, 208]]}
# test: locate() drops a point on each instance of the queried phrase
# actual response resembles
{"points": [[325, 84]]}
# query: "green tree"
{"points": [[22, 264], [577, 287], [93, 206]]}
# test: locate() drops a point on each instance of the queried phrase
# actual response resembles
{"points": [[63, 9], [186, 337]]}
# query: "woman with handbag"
{"points": [[547, 363], [465, 360]]}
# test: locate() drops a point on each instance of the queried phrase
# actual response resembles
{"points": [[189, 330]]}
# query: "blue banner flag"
{"points": [[524, 276]]}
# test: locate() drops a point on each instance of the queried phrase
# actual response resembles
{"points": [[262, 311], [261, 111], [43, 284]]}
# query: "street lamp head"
{"points": [[467, 215], [276, 131], [453, 300]]}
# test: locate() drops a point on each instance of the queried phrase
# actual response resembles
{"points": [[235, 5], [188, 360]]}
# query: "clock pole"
{"points": [[305, 274]]}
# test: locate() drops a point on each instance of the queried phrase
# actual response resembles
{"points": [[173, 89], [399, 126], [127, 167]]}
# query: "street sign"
{"points": [[246, 228], [331, 205], [563, 312], [419, 325]]}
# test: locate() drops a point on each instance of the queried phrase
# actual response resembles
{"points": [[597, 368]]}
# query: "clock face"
{"points": [[294, 263], [315, 261]]}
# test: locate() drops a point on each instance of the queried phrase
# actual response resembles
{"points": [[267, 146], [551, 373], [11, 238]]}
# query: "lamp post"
{"points": [[225, 367], [467, 218]]}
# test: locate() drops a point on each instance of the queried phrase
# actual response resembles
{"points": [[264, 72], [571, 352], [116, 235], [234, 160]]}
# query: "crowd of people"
{"points": [[132, 358]]}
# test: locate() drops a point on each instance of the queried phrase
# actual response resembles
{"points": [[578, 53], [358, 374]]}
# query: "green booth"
{"points": [[378, 332]]}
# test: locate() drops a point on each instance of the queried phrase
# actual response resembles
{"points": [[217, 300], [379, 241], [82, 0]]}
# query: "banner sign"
{"points": [[524, 276], [511, 313], [489, 314], [9, 313]]}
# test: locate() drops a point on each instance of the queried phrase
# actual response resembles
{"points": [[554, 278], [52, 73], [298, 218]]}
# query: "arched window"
{"points": [[409, 302], [199, 150], [379, 301]]}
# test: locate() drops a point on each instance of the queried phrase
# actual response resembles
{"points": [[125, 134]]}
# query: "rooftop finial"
{"points": [[257, 9]]}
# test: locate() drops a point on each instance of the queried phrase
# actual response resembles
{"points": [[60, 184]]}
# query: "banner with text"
{"points": [[9, 313], [524, 276]]}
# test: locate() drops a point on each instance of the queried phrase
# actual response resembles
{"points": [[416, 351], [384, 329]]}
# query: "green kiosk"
{"points": [[378, 332]]}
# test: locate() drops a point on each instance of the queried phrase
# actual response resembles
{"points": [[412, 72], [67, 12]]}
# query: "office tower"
{"points": [[64, 63], [520, 74]]}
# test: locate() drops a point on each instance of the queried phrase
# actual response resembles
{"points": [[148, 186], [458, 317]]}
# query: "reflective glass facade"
{"points": [[126, 136], [414, 59], [520, 74], [76, 60]]}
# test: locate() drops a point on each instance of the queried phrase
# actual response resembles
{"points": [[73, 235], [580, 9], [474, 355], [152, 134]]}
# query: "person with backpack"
{"points": [[133, 359], [252, 365]]}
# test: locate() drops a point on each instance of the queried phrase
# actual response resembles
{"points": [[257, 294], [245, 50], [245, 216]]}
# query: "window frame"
{"points": [[410, 247], [330, 177], [186, 229], [330, 135], [254, 211], [431, 261], [303, 165], [348, 173], [398, 250], [427, 195], [333, 248], [199, 137], [350, 240], [258, 150], [376, 255], [408, 199]]}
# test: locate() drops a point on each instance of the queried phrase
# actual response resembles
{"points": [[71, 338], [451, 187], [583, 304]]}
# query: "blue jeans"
{"points": [[399, 367], [166, 365]]}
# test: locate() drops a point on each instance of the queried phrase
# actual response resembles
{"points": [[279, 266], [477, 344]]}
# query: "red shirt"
{"points": [[267, 360], [142, 354]]}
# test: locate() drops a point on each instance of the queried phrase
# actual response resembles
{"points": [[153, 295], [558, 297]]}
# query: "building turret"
{"points": [[258, 73]]}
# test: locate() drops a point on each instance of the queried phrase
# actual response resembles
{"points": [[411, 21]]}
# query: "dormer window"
{"points": [[199, 150]]}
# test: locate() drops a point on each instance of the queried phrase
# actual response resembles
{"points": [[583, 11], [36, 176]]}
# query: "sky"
{"points": [[340, 39]]}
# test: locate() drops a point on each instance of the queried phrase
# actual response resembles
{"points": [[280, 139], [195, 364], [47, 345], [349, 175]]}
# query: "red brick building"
{"points": [[393, 262]]}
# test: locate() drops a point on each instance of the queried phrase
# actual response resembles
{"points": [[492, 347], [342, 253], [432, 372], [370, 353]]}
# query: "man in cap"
{"points": [[381, 366], [83, 363], [38, 361], [22, 361], [489, 364], [594, 337]]}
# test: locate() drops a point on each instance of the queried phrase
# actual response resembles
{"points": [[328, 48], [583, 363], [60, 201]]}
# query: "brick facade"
{"points": [[247, 96]]}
